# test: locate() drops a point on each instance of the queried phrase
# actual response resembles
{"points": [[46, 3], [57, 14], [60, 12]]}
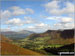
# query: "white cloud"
{"points": [[30, 20], [69, 8], [66, 19], [61, 19], [31, 27], [15, 11], [62, 22], [56, 12], [15, 22], [15, 8], [20, 11], [5, 14], [41, 27], [57, 24], [27, 18], [69, 26], [53, 18], [64, 26], [21, 22], [53, 8], [51, 5], [29, 11]]}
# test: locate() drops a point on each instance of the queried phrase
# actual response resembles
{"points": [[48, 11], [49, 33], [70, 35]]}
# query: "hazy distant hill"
{"points": [[10, 49], [16, 35], [25, 32]]}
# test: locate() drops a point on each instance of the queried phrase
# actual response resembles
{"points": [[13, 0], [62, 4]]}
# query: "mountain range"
{"points": [[50, 37], [54, 36], [39, 42]]}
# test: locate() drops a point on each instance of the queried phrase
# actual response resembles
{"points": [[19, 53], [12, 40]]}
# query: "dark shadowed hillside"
{"points": [[66, 48], [67, 33]]}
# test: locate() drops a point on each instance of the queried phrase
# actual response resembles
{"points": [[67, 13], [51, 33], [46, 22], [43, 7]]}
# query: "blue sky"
{"points": [[37, 16]]}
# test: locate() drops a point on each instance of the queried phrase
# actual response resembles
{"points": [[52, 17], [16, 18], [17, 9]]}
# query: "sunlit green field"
{"points": [[54, 45]]}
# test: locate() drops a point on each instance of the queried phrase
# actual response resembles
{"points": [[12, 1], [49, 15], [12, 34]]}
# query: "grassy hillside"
{"points": [[4, 39], [10, 49]]}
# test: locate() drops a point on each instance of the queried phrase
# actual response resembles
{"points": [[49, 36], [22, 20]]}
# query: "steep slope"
{"points": [[4, 39], [10, 49]]}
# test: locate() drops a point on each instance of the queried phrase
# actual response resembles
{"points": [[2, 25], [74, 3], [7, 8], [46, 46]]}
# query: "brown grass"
{"points": [[4, 39], [9, 49]]}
